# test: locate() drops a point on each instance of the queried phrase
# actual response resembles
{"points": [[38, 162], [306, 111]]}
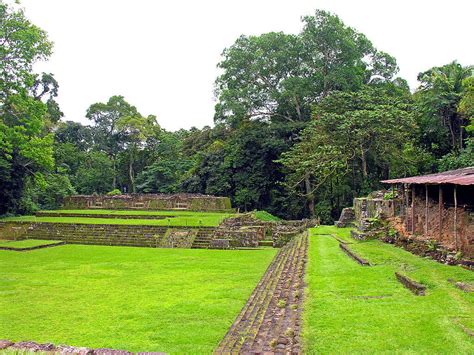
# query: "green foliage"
{"points": [[276, 76], [96, 295], [26, 145], [390, 195], [114, 192], [304, 123], [355, 138], [45, 192], [443, 107], [457, 160]]}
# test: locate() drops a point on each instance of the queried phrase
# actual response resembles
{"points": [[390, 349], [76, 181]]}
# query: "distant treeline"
{"points": [[303, 123]]}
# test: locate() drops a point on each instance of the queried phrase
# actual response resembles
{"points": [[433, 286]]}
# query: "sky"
{"points": [[162, 55]]}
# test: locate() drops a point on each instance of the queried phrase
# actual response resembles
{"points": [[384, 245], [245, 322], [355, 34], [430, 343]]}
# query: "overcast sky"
{"points": [[162, 55]]}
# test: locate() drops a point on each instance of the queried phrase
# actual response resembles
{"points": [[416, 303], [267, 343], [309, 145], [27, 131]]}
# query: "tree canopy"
{"points": [[303, 124]]}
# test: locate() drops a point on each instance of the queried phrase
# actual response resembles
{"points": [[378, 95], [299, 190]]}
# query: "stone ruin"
{"points": [[347, 218], [157, 202], [377, 217], [247, 231]]}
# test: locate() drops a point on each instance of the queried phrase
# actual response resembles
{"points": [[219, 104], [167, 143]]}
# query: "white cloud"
{"points": [[162, 55]]}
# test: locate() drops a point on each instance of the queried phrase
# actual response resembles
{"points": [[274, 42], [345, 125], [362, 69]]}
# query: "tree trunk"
{"points": [[309, 195], [364, 163], [130, 173], [114, 181]]}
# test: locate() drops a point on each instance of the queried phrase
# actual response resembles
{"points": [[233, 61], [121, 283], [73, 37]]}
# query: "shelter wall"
{"points": [[451, 227]]}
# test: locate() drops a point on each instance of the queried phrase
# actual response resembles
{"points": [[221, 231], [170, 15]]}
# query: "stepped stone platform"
{"points": [[105, 234], [270, 321]]}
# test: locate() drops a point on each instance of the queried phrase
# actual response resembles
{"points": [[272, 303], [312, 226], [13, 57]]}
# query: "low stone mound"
{"points": [[353, 255], [415, 287]]}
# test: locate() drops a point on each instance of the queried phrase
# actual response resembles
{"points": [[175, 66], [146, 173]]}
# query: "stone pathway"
{"points": [[271, 319]]}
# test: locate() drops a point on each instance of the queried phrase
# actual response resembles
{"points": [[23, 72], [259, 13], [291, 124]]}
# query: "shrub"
{"points": [[114, 192]]}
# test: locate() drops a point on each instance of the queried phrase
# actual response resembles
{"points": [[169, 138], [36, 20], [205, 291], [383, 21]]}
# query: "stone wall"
{"points": [[190, 202], [368, 207], [14, 230], [347, 218], [451, 235], [102, 234]]}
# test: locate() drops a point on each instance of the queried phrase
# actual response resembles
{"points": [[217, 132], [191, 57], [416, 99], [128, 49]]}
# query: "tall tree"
{"points": [[363, 134], [278, 77], [438, 99], [25, 142], [135, 130], [108, 133]]}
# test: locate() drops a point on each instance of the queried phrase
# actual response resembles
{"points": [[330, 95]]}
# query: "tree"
{"points": [[25, 142], [135, 130], [277, 77], [438, 99], [167, 165], [363, 134], [119, 126]]}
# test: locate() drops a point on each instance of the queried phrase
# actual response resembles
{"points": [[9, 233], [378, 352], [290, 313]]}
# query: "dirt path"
{"points": [[271, 319]]}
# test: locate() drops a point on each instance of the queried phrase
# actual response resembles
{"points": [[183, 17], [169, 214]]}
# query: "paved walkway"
{"points": [[271, 319]]}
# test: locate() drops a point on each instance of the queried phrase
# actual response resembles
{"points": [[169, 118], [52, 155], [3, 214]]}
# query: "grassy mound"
{"points": [[265, 216]]}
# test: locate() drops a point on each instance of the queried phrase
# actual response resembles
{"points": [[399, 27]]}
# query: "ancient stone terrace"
{"points": [[157, 202]]}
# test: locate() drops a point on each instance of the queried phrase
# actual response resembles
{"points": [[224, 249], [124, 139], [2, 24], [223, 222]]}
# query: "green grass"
{"points": [[355, 309], [27, 243], [266, 216], [137, 299], [202, 219], [144, 212]]}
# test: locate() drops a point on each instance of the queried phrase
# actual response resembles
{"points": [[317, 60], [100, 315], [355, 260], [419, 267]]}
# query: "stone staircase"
{"points": [[203, 239]]}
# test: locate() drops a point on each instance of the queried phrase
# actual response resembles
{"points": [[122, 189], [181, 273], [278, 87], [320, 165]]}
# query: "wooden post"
{"points": [[440, 210], [413, 209], [455, 218], [426, 210], [406, 207]]}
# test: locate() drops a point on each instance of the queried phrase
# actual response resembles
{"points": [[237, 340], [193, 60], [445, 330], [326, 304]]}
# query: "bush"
{"points": [[114, 192], [45, 192]]}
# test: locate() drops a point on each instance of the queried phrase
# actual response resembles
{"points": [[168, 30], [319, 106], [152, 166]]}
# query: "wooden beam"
{"points": [[426, 209], [440, 210]]}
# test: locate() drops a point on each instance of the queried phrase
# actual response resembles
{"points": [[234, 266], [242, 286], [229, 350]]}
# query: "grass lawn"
{"points": [[27, 243], [358, 309], [145, 212], [138, 299], [196, 220]]}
